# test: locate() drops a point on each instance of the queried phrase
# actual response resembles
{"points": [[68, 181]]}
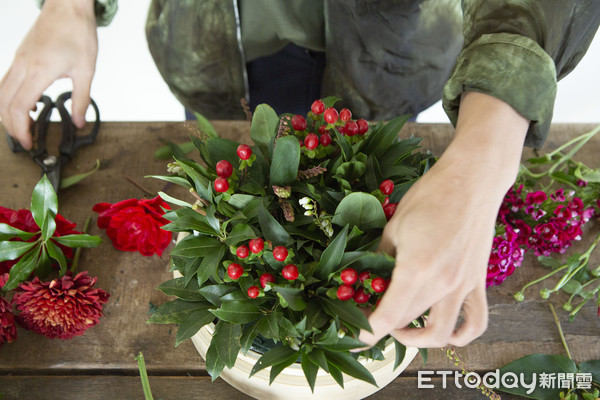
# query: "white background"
{"points": [[128, 87]]}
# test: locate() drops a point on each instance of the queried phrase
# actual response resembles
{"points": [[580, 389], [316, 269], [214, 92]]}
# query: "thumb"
{"points": [[80, 98]]}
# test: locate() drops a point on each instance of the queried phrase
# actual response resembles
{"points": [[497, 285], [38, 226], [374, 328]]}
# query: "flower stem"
{"points": [[77, 254], [560, 332], [542, 278], [144, 377]]}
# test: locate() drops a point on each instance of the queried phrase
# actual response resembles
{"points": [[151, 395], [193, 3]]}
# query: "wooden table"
{"points": [[101, 364]]}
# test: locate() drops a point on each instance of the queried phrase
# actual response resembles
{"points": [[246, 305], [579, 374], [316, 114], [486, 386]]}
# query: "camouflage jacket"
{"points": [[389, 57]]}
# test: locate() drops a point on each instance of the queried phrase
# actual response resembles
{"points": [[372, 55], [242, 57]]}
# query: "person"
{"points": [[497, 80]]}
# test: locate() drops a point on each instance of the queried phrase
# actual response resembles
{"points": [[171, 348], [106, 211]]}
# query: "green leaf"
{"points": [[185, 219], [332, 256], [78, 240], [196, 320], [177, 287], [360, 209], [344, 344], [344, 145], [210, 264], [11, 250], [335, 373], [241, 201], [277, 368], [264, 126], [56, 253], [317, 357], [44, 202], [240, 233], [380, 141], [350, 366], [44, 265], [248, 336], [195, 246], [373, 175], [196, 173], [178, 180], [172, 149], [214, 364], [274, 356], [221, 149], [205, 126], [330, 101], [310, 371], [173, 200], [214, 293], [286, 159], [22, 269], [227, 339], [270, 228], [536, 363], [550, 262], [400, 353], [315, 317], [238, 312], [593, 367], [176, 311], [8, 232], [72, 180], [424, 355], [346, 311], [269, 326], [49, 226], [293, 296]]}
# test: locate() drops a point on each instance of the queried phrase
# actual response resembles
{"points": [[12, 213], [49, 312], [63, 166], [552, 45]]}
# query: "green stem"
{"points": [[86, 226], [144, 377], [560, 332], [583, 260], [542, 278]]}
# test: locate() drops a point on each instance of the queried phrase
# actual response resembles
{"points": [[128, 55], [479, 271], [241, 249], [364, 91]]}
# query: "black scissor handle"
{"points": [[38, 130], [70, 140]]}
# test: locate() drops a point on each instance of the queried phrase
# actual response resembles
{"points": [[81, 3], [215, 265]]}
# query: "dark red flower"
{"points": [[62, 308], [23, 220], [8, 328], [134, 225]]}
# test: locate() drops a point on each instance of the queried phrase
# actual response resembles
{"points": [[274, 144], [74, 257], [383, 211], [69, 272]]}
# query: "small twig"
{"points": [[77, 254], [139, 186], [560, 332], [458, 362], [246, 109], [144, 377]]}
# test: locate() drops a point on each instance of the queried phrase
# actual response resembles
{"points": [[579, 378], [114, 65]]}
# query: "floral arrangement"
{"points": [[34, 244], [282, 238]]}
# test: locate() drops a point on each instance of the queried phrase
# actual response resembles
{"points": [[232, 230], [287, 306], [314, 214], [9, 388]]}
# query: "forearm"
{"points": [[486, 150]]}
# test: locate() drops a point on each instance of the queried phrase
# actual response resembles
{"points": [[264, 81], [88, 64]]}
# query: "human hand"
{"points": [[441, 234], [61, 43]]}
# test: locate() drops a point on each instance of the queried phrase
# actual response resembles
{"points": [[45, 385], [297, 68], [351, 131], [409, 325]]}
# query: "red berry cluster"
{"points": [[343, 120], [224, 171], [253, 251], [386, 188], [365, 286]]}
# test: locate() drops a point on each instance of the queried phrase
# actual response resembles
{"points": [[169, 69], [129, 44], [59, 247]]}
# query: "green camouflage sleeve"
{"points": [[105, 10], [516, 50]]}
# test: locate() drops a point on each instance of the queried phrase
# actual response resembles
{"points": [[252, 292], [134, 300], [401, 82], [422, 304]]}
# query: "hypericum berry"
{"points": [[386, 187], [351, 128], [224, 169], [280, 253], [242, 251], [298, 122], [361, 297], [244, 151], [234, 271], [349, 276], [323, 129], [386, 201], [345, 114], [363, 126], [221, 185], [363, 276], [379, 285], [389, 210], [266, 278], [317, 107], [325, 139], [331, 115], [345, 292], [253, 292], [290, 272], [256, 245], [311, 141]]}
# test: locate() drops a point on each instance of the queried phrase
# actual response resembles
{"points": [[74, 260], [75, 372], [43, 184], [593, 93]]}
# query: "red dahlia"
{"points": [[8, 328], [62, 308]]}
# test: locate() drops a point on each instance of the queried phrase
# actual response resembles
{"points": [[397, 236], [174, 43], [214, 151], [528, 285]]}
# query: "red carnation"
{"points": [[8, 328], [62, 308], [134, 225], [23, 220]]}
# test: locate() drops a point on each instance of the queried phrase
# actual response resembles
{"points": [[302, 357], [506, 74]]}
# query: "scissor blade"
{"points": [[53, 174]]}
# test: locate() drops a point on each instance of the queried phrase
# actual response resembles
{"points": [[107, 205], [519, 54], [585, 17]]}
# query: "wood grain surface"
{"points": [[101, 363]]}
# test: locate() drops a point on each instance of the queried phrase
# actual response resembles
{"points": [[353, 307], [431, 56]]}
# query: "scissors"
{"points": [[51, 165]]}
